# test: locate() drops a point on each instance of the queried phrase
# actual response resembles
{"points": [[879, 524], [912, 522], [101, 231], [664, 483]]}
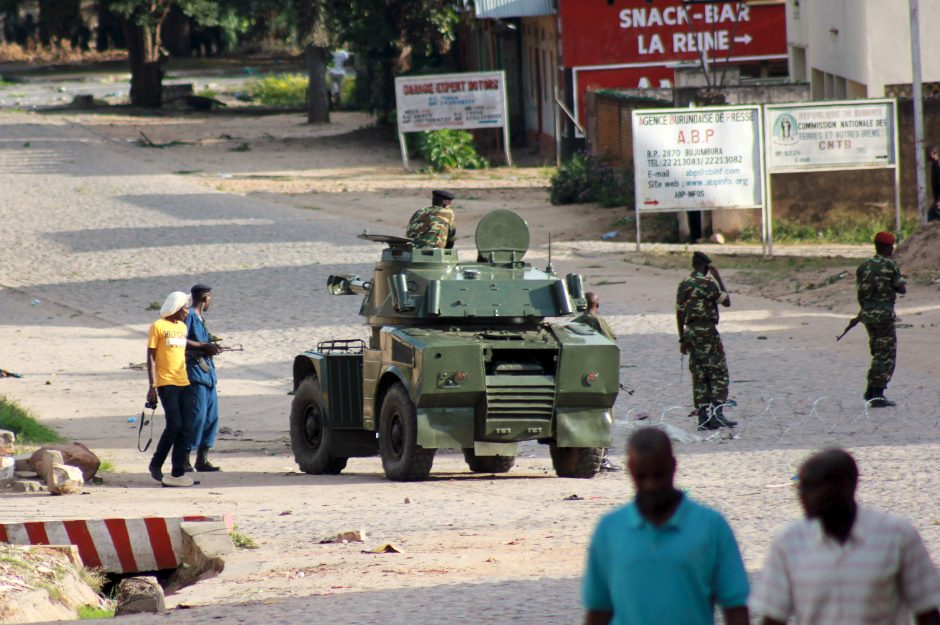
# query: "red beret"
{"points": [[884, 238]]}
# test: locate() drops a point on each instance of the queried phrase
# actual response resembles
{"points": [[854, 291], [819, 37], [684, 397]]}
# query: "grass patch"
{"points": [[838, 229], [106, 466], [24, 424], [242, 540], [88, 612], [286, 90], [747, 262], [154, 306]]}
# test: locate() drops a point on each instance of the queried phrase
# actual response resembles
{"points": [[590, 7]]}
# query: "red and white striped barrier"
{"points": [[114, 545]]}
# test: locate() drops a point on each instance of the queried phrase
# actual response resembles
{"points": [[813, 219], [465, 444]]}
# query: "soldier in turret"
{"points": [[878, 281], [434, 226]]}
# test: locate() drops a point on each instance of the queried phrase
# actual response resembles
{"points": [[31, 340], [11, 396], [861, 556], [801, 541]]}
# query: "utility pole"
{"points": [[917, 94]]}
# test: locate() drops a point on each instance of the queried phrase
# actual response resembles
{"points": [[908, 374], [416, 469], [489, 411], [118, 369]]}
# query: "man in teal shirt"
{"points": [[662, 559]]}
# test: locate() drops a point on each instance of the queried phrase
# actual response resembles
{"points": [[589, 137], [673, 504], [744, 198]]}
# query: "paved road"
{"points": [[95, 231]]}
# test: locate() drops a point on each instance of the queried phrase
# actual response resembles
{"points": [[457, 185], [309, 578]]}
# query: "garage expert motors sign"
{"points": [[830, 135], [701, 158], [471, 100]]}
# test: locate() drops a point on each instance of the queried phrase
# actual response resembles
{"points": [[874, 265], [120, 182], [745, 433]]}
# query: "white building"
{"points": [[859, 48]]}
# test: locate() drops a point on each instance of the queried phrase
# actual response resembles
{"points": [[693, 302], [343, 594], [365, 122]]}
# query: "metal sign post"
{"points": [[461, 101], [698, 159]]}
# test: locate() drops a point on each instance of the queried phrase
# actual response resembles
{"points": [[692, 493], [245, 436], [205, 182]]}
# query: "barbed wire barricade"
{"points": [[837, 418]]}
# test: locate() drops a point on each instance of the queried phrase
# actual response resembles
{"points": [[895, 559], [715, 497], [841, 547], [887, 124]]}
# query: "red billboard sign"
{"points": [[636, 43]]}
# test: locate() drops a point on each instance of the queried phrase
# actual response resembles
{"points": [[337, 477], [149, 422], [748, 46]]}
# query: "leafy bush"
{"points": [[585, 178], [288, 90], [444, 150]]}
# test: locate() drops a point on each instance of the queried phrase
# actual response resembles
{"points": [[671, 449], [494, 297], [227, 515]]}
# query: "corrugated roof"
{"points": [[513, 8]]}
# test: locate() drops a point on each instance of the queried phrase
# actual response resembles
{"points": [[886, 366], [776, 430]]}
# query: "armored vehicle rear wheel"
{"points": [[309, 433], [580, 462], [402, 458], [487, 464]]}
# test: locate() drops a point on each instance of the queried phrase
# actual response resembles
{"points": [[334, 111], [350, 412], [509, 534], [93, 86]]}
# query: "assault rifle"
{"points": [[852, 324], [230, 348]]}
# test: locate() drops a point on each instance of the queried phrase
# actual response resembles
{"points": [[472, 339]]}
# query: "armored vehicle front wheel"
{"points": [[580, 462], [309, 433], [402, 458], [487, 464]]}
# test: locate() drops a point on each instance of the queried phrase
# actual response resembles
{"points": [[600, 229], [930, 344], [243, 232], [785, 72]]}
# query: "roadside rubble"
{"points": [[44, 583], [57, 469]]}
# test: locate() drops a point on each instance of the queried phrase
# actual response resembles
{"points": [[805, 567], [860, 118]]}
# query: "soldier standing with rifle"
{"points": [[697, 302], [200, 369], [878, 281]]}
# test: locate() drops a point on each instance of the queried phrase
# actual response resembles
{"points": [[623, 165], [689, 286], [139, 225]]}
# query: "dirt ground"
{"points": [[263, 208]]}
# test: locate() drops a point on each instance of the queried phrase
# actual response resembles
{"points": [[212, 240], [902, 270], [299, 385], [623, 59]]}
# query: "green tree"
{"points": [[382, 33], [142, 22]]}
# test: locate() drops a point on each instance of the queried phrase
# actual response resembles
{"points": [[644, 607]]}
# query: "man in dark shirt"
{"points": [[933, 213]]}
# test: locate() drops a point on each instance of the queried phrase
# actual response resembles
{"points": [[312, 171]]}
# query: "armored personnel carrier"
{"points": [[460, 355]]}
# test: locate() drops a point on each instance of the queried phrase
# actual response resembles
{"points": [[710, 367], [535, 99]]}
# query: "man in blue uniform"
{"points": [[202, 379]]}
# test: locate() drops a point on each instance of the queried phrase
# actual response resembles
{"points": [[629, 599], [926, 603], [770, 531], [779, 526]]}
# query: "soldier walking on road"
{"points": [[878, 281], [697, 318], [434, 226], [592, 319]]}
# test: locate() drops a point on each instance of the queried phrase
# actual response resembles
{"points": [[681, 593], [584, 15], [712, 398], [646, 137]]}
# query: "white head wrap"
{"points": [[174, 301]]}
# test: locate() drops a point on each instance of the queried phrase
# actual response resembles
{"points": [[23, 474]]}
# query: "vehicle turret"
{"points": [[433, 286]]}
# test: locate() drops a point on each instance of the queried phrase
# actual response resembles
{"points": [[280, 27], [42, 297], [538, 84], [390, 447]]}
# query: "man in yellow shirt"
{"points": [[166, 370]]}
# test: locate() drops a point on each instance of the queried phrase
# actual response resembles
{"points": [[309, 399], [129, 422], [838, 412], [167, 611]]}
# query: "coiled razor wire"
{"points": [[835, 418]]}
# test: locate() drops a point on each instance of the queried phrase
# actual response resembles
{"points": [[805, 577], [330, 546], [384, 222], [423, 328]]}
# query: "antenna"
{"points": [[549, 268]]}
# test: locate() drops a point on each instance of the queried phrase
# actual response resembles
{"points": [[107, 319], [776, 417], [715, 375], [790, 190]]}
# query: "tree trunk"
{"points": [[318, 96], [143, 57]]}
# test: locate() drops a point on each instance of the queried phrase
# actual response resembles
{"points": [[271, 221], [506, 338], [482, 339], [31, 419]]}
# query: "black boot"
{"points": [[706, 419], [202, 461], [868, 394], [878, 399], [719, 416], [188, 467]]}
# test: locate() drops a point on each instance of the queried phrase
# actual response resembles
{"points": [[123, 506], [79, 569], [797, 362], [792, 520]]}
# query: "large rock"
{"points": [[139, 594], [7, 438], [43, 460], [64, 479], [74, 454]]}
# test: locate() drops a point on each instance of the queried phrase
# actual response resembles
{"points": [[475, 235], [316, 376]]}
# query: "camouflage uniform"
{"points": [[697, 304], [432, 227], [590, 319], [878, 280]]}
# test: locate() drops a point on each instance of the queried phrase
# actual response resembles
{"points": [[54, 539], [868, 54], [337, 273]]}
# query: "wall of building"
{"points": [[539, 77], [853, 48]]}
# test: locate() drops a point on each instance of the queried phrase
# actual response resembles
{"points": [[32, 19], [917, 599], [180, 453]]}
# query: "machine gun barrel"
{"points": [[348, 285]]}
